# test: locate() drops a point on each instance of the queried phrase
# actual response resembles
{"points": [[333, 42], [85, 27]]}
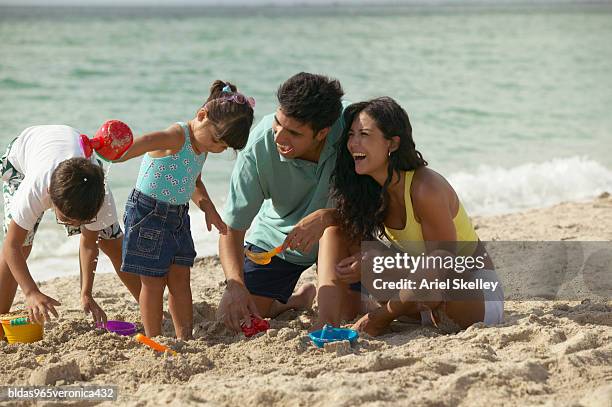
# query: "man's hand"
{"points": [[307, 232], [91, 306], [236, 306], [213, 218], [39, 307]]}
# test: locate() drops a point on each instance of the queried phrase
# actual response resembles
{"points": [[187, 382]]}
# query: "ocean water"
{"points": [[511, 103]]}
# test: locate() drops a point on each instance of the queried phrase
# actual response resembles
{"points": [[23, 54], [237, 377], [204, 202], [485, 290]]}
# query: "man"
{"points": [[281, 180]]}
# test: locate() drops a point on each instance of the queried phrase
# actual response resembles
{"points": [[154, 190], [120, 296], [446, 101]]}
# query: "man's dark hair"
{"points": [[311, 99], [77, 188]]}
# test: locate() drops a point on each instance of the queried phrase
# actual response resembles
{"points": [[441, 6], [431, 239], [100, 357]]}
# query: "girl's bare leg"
{"points": [[179, 300], [151, 304]]}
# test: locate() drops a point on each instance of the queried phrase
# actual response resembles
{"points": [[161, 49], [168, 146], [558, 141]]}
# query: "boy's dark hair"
{"points": [[77, 189], [311, 99], [233, 120]]}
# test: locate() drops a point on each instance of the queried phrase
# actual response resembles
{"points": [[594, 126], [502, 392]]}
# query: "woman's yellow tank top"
{"points": [[413, 233]]}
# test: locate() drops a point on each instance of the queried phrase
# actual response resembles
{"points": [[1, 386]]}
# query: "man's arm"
{"points": [[237, 305], [243, 203], [39, 304], [88, 261], [231, 253]]}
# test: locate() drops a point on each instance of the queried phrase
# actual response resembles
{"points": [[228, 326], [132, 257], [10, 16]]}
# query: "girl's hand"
{"points": [[348, 270], [213, 218]]}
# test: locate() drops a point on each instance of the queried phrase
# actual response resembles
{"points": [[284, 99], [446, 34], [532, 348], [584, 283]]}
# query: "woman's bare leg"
{"points": [[336, 300]]}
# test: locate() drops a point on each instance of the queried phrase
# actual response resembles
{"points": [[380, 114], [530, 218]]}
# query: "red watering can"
{"points": [[110, 142]]}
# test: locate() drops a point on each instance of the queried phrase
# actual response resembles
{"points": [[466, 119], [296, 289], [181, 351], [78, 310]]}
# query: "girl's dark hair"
{"points": [[77, 188], [233, 120], [361, 202]]}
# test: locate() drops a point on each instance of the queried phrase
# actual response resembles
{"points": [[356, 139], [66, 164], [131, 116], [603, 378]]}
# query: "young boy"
{"points": [[45, 168]]}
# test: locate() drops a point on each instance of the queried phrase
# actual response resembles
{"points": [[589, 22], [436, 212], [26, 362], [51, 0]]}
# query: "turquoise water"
{"points": [[512, 104]]}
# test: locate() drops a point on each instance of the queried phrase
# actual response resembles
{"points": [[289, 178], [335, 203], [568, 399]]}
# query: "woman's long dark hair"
{"points": [[361, 202]]}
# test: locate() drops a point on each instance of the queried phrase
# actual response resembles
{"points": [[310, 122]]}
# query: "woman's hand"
{"points": [[348, 270]]}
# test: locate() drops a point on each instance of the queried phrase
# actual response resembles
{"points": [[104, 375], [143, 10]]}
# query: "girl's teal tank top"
{"points": [[171, 178]]}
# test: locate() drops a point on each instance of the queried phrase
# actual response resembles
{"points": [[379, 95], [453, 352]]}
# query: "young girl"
{"points": [[158, 245]]}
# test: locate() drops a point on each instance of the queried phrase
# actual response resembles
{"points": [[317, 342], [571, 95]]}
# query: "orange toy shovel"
{"points": [[263, 258], [145, 340]]}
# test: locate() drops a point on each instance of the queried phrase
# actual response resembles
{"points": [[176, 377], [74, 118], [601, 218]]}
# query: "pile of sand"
{"points": [[550, 353]]}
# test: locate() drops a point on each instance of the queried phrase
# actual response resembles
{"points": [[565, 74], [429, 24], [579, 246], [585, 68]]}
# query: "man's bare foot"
{"points": [[303, 297], [301, 300], [374, 323]]}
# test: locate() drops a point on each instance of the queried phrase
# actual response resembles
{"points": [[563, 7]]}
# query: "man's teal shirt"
{"points": [[278, 192]]}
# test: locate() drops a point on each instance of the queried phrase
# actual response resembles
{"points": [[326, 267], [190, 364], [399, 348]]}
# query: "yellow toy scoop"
{"points": [[263, 258]]}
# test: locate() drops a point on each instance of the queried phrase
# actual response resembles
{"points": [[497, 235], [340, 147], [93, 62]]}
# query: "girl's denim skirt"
{"points": [[157, 235]]}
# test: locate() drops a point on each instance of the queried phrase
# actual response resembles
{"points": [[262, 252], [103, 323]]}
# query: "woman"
{"points": [[382, 186]]}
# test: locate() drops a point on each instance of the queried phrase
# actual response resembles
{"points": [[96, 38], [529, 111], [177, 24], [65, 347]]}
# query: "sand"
{"points": [[553, 353]]}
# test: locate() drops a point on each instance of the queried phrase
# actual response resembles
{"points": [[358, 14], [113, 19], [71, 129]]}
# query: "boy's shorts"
{"points": [[12, 179], [157, 235]]}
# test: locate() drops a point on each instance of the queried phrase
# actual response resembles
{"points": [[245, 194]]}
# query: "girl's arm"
{"points": [[201, 198], [164, 141], [200, 195]]}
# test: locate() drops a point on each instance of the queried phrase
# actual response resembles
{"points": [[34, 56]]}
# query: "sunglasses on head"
{"points": [[240, 99]]}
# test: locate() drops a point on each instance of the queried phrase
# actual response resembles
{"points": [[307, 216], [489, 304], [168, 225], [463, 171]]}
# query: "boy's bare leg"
{"points": [[8, 285], [179, 300], [151, 304], [112, 248]]}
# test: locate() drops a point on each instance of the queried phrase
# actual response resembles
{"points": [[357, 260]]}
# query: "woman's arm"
{"points": [[168, 140], [431, 201]]}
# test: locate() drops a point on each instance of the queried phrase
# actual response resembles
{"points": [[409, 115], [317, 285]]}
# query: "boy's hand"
{"points": [[39, 306], [91, 306], [213, 218]]}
